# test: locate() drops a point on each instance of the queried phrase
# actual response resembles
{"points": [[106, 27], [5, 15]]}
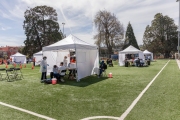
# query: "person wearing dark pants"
{"points": [[43, 68], [101, 68], [43, 76], [55, 72]]}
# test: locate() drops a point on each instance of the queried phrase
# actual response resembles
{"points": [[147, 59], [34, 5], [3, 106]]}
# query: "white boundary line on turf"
{"points": [[27, 111], [96, 117], [140, 95], [132, 104]]}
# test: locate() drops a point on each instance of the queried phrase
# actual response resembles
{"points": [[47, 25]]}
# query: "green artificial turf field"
{"points": [[94, 96]]}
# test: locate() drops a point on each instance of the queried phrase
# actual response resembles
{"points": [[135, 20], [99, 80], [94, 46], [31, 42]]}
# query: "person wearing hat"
{"points": [[43, 68]]}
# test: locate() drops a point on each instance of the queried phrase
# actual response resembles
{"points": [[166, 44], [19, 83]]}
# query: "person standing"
{"points": [[34, 60], [65, 61], [43, 68]]}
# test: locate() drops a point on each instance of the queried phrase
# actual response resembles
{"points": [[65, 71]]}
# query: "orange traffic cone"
{"points": [[24, 65], [14, 64], [32, 67], [20, 66], [6, 65]]}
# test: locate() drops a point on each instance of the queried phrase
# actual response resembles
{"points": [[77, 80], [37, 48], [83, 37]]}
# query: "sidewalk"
{"points": [[178, 62]]}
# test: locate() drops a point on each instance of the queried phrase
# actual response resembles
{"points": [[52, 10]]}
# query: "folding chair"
{"points": [[62, 74], [18, 73], [3, 74], [10, 74], [104, 73], [72, 74]]}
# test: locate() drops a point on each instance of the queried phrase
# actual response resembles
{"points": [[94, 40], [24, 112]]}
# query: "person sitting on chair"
{"points": [[55, 72], [72, 72], [62, 67], [141, 63], [138, 62], [102, 67], [110, 63]]}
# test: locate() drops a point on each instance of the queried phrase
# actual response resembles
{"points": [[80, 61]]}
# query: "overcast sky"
{"points": [[78, 16]]}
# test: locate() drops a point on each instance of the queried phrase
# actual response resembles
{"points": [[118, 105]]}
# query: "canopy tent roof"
{"points": [[38, 53], [146, 52], [69, 42], [18, 58], [18, 55], [130, 50]]}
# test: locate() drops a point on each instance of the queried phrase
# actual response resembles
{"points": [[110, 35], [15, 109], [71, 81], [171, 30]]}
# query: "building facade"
{"points": [[7, 51]]}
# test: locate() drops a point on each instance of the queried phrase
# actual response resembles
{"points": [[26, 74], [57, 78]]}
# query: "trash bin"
{"points": [[148, 62]]}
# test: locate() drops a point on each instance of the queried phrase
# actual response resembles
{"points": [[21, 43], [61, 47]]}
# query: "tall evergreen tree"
{"points": [[41, 28], [161, 36], [130, 39]]}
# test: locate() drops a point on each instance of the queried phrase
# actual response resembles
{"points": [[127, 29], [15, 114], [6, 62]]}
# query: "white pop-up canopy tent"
{"points": [[146, 52], [129, 50], [38, 57], [18, 58], [87, 57]]}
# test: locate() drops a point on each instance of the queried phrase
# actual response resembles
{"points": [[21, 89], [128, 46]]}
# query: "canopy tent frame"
{"points": [[146, 52], [129, 50], [18, 58], [80, 47]]}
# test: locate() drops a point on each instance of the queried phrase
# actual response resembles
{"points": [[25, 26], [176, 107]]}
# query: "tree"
{"points": [[41, 28], [161, 36], [130, 39], [110, 30]]}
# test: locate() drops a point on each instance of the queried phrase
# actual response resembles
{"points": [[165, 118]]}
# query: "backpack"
{"points": [[105, 66]]}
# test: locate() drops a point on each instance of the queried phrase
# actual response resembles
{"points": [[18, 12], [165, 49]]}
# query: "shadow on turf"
{"points": [[83, 82]]}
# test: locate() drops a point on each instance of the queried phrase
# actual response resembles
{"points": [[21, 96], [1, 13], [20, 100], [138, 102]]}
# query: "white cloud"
{"points": [[79, 14], [5, 28], [11, 40]]}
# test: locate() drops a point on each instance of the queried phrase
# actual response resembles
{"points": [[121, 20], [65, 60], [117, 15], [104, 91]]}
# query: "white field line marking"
{"points": [[27, 111], [97, 117], [140, 95]]}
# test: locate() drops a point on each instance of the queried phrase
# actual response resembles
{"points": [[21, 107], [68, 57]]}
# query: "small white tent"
{"points": [[146, 52], [38, 57], [18, 58], [129, 50], [87, 56]]}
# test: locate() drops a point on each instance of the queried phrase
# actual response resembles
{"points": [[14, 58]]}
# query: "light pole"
{"points": [[63, 29], [178, 27]]}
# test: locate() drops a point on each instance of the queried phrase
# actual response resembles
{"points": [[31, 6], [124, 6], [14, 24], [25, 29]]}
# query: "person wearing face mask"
{"points": [[65, 61], [43, 68]]}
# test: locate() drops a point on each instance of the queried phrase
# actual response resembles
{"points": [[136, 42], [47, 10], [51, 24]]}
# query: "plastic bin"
{"points": [[54, 81]]}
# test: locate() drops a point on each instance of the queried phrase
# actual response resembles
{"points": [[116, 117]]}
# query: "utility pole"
{"points": [[63, 29], [178, 28]]}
